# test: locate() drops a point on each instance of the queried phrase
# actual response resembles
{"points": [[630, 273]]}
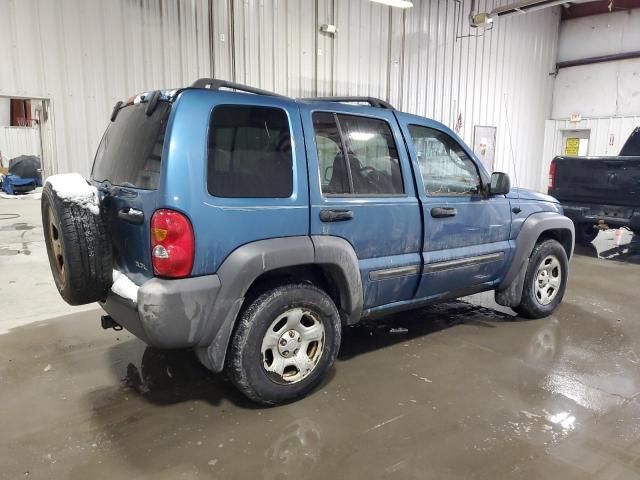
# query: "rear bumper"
{"points": [[612, 215], [169, 313]]}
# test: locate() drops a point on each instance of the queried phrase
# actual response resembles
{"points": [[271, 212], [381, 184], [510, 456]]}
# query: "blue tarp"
{"points": [[13, 184]]}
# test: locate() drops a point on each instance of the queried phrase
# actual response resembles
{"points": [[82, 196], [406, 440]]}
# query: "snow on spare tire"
{"points": [[76, 238]]}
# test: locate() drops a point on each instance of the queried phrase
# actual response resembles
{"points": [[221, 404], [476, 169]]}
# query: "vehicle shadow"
{"points": [[166, 377], [371, 335]]}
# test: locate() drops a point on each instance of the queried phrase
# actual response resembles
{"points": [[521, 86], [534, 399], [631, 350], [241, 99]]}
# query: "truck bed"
{"points": [[597, 180]]}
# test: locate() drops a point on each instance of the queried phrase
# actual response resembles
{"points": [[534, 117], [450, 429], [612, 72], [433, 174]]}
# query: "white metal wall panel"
{"points": [[324, 48], [86, 54], [274, 45], [598, 90], [16, 141], [487, 80], [603, 89], [361, 53], [221, 40], [616, 32]]}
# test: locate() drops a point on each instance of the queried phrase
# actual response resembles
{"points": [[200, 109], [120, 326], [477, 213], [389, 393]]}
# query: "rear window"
{"points": [[631, 147], [249, 153], [130, 152]]}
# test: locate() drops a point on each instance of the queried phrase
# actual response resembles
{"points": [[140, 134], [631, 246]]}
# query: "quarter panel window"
{"points": [[445, 167], [249, 153]]}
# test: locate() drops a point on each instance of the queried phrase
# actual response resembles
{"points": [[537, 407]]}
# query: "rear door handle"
{"points": [[335, 215], [441, 212], [131, 215]]}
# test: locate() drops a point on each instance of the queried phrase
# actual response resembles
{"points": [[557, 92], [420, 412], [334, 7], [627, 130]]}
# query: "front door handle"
{"points": [[441, 212], [335, 215], [131, 215]]}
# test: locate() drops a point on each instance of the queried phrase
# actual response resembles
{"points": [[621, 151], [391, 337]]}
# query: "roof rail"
{"points": [[374, 102], [217, 84]]}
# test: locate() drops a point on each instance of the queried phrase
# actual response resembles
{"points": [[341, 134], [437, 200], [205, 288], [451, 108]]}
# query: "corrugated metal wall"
{"points": [[88, 54], [16, 141], [85, 55]]}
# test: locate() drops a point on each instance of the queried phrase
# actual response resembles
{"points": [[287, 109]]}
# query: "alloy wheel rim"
{"points": [[548, 280], [53, 232], [293, 345]]}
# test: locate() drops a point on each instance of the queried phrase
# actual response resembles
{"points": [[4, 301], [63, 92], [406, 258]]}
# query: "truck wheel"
{"points": [[78, 248], [284, 344], [585, 233], [545, 280]]}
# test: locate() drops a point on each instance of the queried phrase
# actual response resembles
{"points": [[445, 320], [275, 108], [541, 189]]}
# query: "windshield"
{"points": [[130, 152]]}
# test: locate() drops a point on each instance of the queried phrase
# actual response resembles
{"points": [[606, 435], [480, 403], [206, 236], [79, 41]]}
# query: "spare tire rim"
{"points": [[53, 231], [548, 280], [292, 346]]}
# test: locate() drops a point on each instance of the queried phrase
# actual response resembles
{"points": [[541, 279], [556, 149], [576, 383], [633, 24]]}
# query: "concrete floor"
{"points": [[25, 277], [459, 390]]}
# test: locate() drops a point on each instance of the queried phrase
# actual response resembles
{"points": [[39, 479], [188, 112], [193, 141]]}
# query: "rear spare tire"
{"points": [[77, 240]]}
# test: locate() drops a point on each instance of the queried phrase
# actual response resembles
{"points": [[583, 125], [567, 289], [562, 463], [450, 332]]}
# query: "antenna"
{"points": [[513, 157]]}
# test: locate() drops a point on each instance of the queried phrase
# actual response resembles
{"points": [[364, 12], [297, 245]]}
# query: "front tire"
{"points": [[545, 281], [284, 343]]}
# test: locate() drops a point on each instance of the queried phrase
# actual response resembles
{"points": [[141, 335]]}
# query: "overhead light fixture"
{"points": [[395, 3], [481, 20]]}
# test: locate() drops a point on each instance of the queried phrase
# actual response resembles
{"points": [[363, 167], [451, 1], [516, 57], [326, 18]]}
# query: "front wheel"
{"points": [[545, 280], [284, 344]]}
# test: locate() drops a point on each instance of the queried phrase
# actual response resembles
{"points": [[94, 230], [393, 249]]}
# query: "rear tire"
{"points": [[585, 233], [284, 344], [545, 281], [78, 247]]}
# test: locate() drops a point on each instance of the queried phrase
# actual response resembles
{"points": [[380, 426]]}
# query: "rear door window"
{"points": [[249, 152], [356, 155], [130, 153]]}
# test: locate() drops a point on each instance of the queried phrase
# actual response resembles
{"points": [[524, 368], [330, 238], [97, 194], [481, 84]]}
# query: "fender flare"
{"points": [[509, 292], [248, 262]]}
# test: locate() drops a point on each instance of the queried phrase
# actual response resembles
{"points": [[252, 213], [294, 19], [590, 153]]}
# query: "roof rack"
{"points": [[217, 84], [374, 102]]}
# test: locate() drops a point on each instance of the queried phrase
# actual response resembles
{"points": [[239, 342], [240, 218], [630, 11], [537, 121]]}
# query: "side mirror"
{"points": [[500, 184]]}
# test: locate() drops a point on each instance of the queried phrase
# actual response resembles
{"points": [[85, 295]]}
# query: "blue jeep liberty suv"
{"points": [[253, 227]]}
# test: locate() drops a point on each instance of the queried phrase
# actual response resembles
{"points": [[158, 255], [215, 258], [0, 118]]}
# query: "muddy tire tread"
{"points": [[235, 367]]}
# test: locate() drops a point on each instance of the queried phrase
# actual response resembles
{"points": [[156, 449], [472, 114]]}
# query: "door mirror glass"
{"points": [[500, 184]]}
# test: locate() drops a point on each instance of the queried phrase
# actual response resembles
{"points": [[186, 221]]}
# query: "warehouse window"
{"points": [[356, 155], [249, 153], [445, 167]]}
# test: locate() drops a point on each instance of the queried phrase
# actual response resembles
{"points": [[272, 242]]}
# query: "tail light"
{"points": [[552, 175], [172, 244]]}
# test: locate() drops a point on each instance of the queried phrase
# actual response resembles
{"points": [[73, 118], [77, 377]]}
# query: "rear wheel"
{"points": [[284, 344], [545, 280], [78, 249]]}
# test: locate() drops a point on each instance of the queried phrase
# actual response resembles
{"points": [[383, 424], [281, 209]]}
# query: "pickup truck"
{"points": [[253, 228], [599, 193]]}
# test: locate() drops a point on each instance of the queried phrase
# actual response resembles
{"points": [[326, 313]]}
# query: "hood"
{"points": [[526, 194]]}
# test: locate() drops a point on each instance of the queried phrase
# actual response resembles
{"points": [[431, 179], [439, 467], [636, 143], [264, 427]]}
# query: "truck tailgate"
{"points": [[603, 180]]}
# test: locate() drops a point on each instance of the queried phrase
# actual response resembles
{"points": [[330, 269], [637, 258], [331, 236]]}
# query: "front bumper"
{"points": [[169, 313]]}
